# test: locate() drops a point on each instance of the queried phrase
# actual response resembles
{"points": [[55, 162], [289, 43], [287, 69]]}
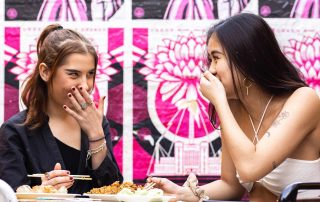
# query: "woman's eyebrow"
{"points": [[75, 70], [72, 70], [215, 52]]}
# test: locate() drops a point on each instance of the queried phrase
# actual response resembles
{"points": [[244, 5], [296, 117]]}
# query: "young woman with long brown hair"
{"points": [[61, 132]]}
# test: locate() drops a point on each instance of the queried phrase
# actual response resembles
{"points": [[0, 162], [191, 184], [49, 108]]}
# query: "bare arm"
{"points": [[228, 187]]}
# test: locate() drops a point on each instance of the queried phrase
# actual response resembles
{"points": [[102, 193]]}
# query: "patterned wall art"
{"points": [[21, 57], [300, 42], [61, 10], [289, 8], [186, 9], [173, 135], [150, 56]]}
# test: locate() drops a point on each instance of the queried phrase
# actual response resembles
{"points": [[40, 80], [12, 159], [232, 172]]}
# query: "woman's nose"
{"points": [[84, 84], [212, 69]]}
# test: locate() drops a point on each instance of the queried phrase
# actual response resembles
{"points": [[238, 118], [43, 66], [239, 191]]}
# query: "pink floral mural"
{"points": [[177, 67], [305, 55], [181, 138]]}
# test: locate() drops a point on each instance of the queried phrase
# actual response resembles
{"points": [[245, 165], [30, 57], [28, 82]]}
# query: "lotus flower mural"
{"points": [[305, 54], [176, 68]]}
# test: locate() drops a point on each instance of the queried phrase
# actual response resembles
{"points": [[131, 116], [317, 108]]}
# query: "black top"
{"points": [[24, 151], [70, 156]]}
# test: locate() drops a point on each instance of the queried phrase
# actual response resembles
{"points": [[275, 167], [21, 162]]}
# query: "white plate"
{"points": [[130, 198], [44, 195]]}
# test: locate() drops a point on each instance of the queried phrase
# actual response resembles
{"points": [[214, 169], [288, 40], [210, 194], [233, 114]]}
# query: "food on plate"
{"points": [[115, 188], [142, 192], [41, 189]]}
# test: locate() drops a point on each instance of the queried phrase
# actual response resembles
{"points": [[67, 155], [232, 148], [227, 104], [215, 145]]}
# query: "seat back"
{"points": [[290, 193]]}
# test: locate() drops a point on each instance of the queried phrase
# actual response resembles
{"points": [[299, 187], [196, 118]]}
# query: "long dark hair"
{"points": [[54, 45], [252, 49]]}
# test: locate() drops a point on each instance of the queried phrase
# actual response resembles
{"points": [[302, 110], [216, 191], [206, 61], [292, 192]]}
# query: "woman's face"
{"points": [[219, 66], [77, 70]]}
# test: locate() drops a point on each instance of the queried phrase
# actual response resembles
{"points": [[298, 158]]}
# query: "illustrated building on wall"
{"points": [[188, 157]]}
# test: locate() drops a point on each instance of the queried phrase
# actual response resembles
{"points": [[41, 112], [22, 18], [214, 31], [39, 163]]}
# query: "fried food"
{"points": [[115, 188], [41, 189]]}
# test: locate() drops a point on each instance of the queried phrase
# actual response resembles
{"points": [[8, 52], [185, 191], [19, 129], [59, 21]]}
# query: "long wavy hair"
{"points": [[54, 45], [252, 49]]}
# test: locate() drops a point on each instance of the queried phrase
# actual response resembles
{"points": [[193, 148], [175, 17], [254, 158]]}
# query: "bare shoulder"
{"points": [[304, 104], [307, 97]]}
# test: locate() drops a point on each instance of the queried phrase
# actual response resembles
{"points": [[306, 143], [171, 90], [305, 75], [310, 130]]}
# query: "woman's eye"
{"points": [[73, 74], [91, 73]]}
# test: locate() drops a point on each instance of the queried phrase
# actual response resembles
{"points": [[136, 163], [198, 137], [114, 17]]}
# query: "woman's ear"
{"points": [[44, 72]]}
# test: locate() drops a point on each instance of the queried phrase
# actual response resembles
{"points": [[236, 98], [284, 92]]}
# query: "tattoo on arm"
{"points": [[268, 134], [274, 165], [281, 116]]}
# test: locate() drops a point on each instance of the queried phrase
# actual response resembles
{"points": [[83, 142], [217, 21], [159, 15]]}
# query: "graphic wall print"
{"points": [[300, 42], [289, 8], [173, 135], [21, 57], [62, 10], [186, 9]]}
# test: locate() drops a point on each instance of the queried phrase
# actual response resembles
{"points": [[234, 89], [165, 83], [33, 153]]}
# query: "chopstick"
{"points": [[149, 186], [76, 177]]}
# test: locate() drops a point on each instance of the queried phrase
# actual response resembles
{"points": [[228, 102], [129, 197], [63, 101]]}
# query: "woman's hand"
{"points": [[169, 188], [212, 88], [58, 178], [86, 113]]}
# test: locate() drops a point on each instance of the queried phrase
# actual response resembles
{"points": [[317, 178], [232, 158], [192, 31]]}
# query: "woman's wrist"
{"points": [[95, 135], [96, 139], [186, 194]]}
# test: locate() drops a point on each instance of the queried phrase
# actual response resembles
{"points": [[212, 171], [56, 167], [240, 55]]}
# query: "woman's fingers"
{"points": [[72, 113], [160, 182], [56, 173], [59, 180], [66, 185], [76, 105], [86, 96], [57, 166], [210, 77], [80, 99]]}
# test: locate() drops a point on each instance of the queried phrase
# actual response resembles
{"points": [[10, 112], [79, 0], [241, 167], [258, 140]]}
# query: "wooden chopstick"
{"points": [[149, 186], [76, 177]]}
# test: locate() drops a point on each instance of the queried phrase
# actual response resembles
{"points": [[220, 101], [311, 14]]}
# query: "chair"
{"points": [[6, 193], [290, 193]]}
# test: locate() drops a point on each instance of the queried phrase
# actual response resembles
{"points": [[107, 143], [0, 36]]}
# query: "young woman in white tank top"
{"points": [[269, 117]]}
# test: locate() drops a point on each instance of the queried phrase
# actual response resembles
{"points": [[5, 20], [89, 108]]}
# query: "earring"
{"points": [[247, 83]]}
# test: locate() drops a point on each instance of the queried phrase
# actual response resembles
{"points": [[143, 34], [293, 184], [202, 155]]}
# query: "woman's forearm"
{"points": [[221, 190], [238, 145], [217, 190]]}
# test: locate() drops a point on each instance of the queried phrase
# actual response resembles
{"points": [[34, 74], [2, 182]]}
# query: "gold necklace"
{"points": [[256, 131]]}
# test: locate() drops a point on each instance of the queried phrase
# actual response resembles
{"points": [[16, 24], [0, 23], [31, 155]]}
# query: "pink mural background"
{"points": [[149, 70]]}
